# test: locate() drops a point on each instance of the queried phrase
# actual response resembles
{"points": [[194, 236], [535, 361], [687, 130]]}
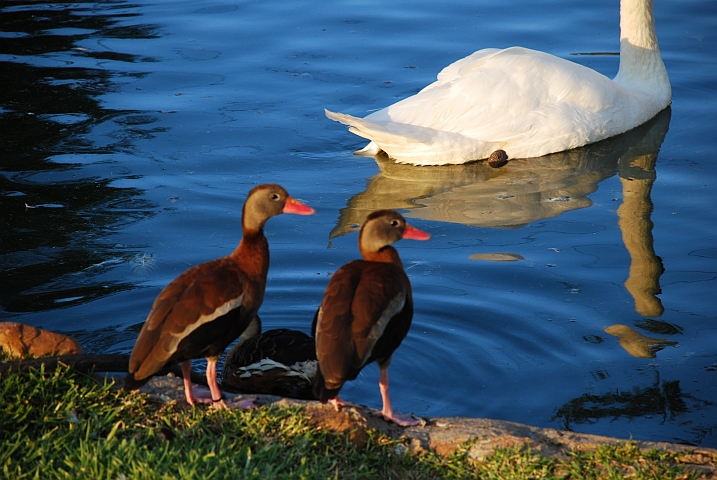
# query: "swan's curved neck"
{"points": [[641, 65]]}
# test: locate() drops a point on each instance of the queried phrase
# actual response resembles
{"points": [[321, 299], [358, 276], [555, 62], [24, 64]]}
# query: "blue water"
{"points": [[131, 133]]}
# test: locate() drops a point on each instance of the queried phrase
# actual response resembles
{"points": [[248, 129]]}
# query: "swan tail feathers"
{"points": [[370, 150], [382, 136]]}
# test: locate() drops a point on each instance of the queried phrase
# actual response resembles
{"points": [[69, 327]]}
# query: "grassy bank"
{"points": [[62, 424]]}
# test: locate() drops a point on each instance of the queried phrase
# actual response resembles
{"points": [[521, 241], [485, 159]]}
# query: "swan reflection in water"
{"points": [[637, 344], [533, 189]]}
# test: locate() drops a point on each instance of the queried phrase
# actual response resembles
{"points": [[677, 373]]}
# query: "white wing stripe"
{"points": [[393, 307], [219, 312]]}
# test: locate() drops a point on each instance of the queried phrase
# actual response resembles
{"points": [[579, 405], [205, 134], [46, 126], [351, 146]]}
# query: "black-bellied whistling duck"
{"points": [[207, 307], [366, 312], [277, 362]]}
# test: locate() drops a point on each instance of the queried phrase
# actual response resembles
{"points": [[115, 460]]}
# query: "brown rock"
{"points": [[346, 421], [19, 341]]}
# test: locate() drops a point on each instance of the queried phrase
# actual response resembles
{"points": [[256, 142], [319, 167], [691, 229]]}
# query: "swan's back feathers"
{"points": [[465, 65]]}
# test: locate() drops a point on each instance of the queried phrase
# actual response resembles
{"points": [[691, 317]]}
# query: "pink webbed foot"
{"points": [[245, 403], [387, 412], [337, 402], [204, 395], [407, 420], [201, 394]]}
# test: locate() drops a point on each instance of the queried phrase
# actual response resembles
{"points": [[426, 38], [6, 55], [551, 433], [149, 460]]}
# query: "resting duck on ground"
{"points": [[277, 362], [210, 305], [524, 102], [366, 312]]}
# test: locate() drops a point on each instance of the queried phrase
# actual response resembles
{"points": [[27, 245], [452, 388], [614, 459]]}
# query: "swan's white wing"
{"points": [[526, 102], [495, 95]]}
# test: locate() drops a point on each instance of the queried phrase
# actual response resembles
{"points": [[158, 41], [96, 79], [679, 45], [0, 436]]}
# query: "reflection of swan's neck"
{"points": [[641, 65], [643, 282]]}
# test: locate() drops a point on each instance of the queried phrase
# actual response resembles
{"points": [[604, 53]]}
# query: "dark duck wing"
{"points": [[277, 362], [195, 316]]}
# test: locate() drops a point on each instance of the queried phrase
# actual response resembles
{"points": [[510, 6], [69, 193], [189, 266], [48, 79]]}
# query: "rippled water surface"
{"points": [[573, 291]]}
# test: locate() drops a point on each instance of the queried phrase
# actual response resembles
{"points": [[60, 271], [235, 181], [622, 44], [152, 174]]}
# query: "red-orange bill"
{"points": [[295, 206], [415, 234]]}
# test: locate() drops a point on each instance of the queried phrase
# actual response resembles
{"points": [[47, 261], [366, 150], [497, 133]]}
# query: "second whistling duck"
{"points": [[366, 312], [207, 307], [277, 362]]}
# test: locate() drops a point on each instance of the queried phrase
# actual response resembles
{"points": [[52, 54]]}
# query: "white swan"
{"points": [[524, 102]]}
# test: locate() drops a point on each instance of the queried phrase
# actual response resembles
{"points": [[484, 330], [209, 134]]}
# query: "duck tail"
{"points": [[131, 383], [322, 393]]}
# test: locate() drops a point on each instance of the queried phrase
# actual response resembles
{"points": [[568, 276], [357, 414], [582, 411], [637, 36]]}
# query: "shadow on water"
{"points": [[525, 191], [662, 398], [57, 201]]}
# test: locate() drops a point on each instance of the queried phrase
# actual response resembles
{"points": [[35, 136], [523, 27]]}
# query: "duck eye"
{"points": [[275, 196], [394, 223]]}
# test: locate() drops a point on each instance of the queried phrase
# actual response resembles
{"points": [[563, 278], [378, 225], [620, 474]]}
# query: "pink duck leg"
{"points": [[387, 412], [193, 399]]}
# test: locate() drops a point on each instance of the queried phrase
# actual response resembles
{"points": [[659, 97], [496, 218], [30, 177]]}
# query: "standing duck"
{"points": [[366, 312], [277, 362], [524, 102], [207, 307]]}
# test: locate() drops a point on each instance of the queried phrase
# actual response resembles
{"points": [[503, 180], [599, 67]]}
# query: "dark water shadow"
{"points": [[664, 399], [57, 201]]}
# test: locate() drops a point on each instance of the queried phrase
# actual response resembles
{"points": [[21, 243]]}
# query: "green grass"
{"points": [[63, 425]]}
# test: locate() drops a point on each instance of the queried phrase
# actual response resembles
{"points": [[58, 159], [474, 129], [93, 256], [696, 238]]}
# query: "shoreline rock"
{"points": [[19, 341], [446, 434]]}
